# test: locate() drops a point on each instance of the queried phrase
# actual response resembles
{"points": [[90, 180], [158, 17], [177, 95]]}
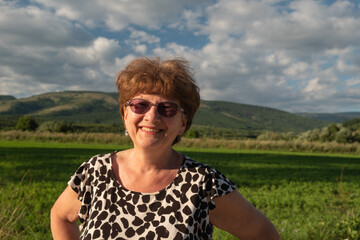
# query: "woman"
{"points": [[152, 191]]}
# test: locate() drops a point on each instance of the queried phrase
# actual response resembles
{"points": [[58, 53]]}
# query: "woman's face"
{"points": [[151, 129]]}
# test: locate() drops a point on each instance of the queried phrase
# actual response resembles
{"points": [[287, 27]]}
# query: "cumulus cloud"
{"points": [[292, 55], [48, 53], [117, 15], [276, 55]]}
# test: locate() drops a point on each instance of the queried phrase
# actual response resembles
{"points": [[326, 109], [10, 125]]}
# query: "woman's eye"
{"points": [[142, 104]]}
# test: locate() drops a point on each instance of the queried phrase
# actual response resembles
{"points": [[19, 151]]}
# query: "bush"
{"points": [[191, 133], [55, 126], [26, 123], [64, 127], [277, 136], [344, 135], [311, 135], [48, 126]]}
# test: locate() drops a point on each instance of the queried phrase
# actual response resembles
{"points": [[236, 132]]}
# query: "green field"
{"points": [[306, 196]]}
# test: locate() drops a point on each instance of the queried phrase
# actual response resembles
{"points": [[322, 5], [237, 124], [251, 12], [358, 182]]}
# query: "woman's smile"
{"points": [[151, 129]]}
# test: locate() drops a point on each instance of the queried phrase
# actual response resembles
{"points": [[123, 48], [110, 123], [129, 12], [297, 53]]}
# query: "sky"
{"points": [[296, 56]]}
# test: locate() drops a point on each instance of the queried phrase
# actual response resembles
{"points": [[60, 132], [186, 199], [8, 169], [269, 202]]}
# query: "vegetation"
{"points": [[306, 196], [332, 117], [26, 123], [191, 133], [8, 122], [353, 124], [199, 143], [6, 97], [251, 118], [349, 132]]}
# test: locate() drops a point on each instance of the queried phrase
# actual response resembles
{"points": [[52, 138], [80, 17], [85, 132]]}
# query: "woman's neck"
{"points": [[144, 171], [152, 160]]}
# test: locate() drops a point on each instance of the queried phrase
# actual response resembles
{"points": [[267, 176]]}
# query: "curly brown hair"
{"points": [[171, 78]]}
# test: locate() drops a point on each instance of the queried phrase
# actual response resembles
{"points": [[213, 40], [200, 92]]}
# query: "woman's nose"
{"points": [[152, 114]]}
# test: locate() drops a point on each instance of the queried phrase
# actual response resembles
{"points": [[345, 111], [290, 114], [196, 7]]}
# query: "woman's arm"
{"points": [[64, 216], [234, 214]]}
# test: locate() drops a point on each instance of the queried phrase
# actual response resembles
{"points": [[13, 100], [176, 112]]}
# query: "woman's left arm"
{"points": [[236, 215]]}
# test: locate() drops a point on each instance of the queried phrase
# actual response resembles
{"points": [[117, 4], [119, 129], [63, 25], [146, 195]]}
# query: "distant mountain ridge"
{"points": [[332, 117], [6, 97], [101, 107]]}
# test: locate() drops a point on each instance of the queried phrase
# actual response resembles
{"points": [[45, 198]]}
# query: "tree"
{"points": [[26, 123], [48, 126], [64, 127], [344, 135], [191, 133], [328, 133], [55, 126]]}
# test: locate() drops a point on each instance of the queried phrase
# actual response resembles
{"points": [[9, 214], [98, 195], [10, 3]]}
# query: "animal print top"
{"points": [[180, 211]]}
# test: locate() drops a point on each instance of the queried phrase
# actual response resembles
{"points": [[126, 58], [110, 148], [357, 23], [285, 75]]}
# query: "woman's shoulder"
{"points": [[204, 169], [98, 160], [193, 165]]}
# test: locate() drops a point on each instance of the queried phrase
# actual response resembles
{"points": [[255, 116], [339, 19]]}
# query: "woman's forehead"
{"points": [[155, 96]]}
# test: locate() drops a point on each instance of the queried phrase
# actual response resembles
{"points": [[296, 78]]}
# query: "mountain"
{"points": [[353, 124], [100, 107], [332, 117], [6, 97], [94, 107], [248, 117]]}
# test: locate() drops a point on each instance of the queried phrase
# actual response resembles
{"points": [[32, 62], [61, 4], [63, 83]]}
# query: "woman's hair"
{"points": [[171, 78]]}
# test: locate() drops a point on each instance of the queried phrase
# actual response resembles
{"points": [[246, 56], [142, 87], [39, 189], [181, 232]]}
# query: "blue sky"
{"points": [[297, 56]]}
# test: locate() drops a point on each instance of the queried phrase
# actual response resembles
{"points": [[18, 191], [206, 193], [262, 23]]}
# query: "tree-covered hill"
{"points": [[100, 107], [249, 117], [94, 107], [353, 124], [6, 97], [332, 117]]}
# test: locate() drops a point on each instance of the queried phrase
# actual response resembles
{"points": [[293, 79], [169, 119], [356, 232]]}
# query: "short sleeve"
{"points": [[218, 185], [80, 182]]}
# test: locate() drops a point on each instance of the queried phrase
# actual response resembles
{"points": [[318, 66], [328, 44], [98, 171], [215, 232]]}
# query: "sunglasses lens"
{"points": [[139, 106], [165, 109]]}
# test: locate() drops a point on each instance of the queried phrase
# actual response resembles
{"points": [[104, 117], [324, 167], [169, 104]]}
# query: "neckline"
{"points": [[120, 186]]}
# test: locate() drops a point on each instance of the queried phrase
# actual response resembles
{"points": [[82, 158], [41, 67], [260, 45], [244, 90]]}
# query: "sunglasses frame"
{"points": [[150, 104]]}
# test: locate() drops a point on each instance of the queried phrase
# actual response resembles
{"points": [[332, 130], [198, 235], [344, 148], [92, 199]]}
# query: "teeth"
{"points": [[150, 129]]}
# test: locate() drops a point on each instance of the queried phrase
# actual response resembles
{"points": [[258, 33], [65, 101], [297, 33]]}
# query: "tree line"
{"points": [[348, 132]]}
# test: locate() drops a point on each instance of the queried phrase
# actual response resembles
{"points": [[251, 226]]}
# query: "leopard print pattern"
{"points": [[180, 211]]}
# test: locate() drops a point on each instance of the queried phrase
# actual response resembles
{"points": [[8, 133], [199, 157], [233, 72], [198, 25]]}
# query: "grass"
{"points": [[198, 143], [306, 196]]}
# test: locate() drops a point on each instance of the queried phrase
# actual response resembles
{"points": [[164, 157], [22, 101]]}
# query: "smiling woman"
{"points": [[152, 191]]}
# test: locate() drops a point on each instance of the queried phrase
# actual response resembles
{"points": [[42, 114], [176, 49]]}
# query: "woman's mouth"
{"points": [[146, 129]]}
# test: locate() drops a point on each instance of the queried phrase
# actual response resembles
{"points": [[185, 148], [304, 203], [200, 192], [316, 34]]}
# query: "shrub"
{"points": [[48, 126], [26, 123], [343, 136], [191, 133], [277, 136], [64, 127], [55, 126]]}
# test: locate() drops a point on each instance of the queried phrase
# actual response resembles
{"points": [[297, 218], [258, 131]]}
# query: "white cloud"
{"points": [[141, 49], [116, 15], [297, 69], [141, 36], [292, 55], [353, 81]]}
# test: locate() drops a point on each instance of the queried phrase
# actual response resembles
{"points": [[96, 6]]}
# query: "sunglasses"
{"points": [[142, 106]]}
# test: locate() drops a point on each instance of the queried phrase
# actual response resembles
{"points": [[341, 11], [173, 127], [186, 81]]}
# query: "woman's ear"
{"points": [[125, 114], [183, 125]]}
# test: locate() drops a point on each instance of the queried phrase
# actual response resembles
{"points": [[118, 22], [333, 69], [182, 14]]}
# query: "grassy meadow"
{"points": [[306, 195]]}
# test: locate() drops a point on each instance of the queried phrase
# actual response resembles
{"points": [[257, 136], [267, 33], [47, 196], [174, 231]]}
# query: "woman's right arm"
{"points": [[64, 216]]}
